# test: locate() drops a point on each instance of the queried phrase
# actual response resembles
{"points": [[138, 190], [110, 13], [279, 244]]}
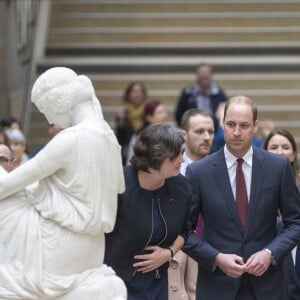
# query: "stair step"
{"points": [[250, 93], [177, 49], [175, 81], [173, 63], [283, 14], [180, 60], [177, 29], [173, 6], [172, 99], [86, 20], [134, 44], [97, 36]]}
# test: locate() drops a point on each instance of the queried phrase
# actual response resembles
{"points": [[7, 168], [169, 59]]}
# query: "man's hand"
{"points": [[231, 264], [258, 263]]}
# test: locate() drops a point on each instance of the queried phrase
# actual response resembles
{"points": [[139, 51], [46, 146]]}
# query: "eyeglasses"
{"points": [[4, 159]]}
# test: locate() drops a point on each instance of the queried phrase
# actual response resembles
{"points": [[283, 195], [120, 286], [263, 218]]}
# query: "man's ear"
{"points": [[256, 126], [14, 162], [184, 134]]}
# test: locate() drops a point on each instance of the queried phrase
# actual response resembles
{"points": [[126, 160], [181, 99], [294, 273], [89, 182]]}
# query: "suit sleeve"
{"points": [[289, 206], [199, 250]]}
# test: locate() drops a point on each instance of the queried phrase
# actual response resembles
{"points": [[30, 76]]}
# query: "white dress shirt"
{"points": [[294, 255], [231, 162], [185, 164]]}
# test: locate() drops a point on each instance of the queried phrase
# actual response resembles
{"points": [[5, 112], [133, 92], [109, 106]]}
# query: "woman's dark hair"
{"points": [[129, 88], [6, 122], [149, 110], [4, 136], [154, 144], [289, 136]]}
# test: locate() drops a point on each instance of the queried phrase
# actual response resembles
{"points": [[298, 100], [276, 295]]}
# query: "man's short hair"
{"points": [[185, 120], [245, 100]]}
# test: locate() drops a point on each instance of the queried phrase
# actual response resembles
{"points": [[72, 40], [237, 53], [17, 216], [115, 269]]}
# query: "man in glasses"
{"points": [[7, 160]]}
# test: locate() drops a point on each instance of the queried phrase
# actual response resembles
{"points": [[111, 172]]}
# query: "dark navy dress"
{"points": [[152, 285]]}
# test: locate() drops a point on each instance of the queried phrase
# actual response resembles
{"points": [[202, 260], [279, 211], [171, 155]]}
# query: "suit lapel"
{"points": [[257, 178], [222, 178]]}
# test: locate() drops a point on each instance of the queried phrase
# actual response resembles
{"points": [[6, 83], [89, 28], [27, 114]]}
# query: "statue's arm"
{"points": [[54, 156]]}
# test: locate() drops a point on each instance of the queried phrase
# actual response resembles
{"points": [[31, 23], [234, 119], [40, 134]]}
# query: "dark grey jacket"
{"points": [[133, 226]]}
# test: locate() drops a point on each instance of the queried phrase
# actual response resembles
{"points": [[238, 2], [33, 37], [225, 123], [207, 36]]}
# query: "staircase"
{"points": [[254, 47]]}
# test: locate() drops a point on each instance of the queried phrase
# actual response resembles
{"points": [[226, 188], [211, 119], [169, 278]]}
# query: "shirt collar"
{"points": [[231, 159], [187, 160]]}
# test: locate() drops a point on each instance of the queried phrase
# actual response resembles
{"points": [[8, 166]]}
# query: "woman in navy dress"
{"points": [[152, 214]]}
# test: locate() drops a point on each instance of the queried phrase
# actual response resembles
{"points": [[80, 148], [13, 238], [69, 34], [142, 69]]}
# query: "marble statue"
{"points": [[55, 208]]}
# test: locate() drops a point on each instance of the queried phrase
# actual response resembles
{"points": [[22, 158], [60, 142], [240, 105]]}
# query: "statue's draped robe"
{"points": [[52, 234]]}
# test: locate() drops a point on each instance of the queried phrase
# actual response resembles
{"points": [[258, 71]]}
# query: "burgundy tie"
{"points": [[241, 193]]}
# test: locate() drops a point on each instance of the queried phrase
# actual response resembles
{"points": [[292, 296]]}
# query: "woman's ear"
{"points": [[149, 119], [184, 134]]}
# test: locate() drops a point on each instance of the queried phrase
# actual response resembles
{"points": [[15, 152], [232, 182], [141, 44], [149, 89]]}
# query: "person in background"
{"points": [[239, 190], [204, 94], [17, 143], [267, 126], [282, 142], [10, 122], [7, 160], [53, 129], [198, 133], [155, 112], [152, 214], [130, 119], [3, 137]]}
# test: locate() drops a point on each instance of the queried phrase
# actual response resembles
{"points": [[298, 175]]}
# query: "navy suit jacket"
{"points": [[292, 280], [273, 187]]}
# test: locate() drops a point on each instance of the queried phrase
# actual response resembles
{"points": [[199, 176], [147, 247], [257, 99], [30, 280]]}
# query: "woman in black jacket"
{"points": [[152, 214]]}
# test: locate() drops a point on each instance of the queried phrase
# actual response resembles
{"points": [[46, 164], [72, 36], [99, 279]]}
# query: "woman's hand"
{"points": [[153, 260]]}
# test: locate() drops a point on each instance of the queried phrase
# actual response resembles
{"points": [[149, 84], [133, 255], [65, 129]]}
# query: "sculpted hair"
{"points": [[185, 120], [154, 144], [59, 89], [290, 138], [245, 100]]}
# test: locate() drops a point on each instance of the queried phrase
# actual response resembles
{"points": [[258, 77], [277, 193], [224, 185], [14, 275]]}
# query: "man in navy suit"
{"points": [[240, 256]]}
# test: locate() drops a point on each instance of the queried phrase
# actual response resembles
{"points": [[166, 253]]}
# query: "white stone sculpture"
{"points": [[55, 208]]}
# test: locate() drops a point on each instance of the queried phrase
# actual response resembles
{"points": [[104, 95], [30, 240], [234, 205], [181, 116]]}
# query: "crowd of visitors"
{"points": [[11, 135]]}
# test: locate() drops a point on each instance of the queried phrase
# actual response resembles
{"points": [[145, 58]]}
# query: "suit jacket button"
{"points": [[173, 264], [174, 288]]}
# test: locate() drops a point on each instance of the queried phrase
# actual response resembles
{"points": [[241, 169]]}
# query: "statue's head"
{"points": [[57, 91]]}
